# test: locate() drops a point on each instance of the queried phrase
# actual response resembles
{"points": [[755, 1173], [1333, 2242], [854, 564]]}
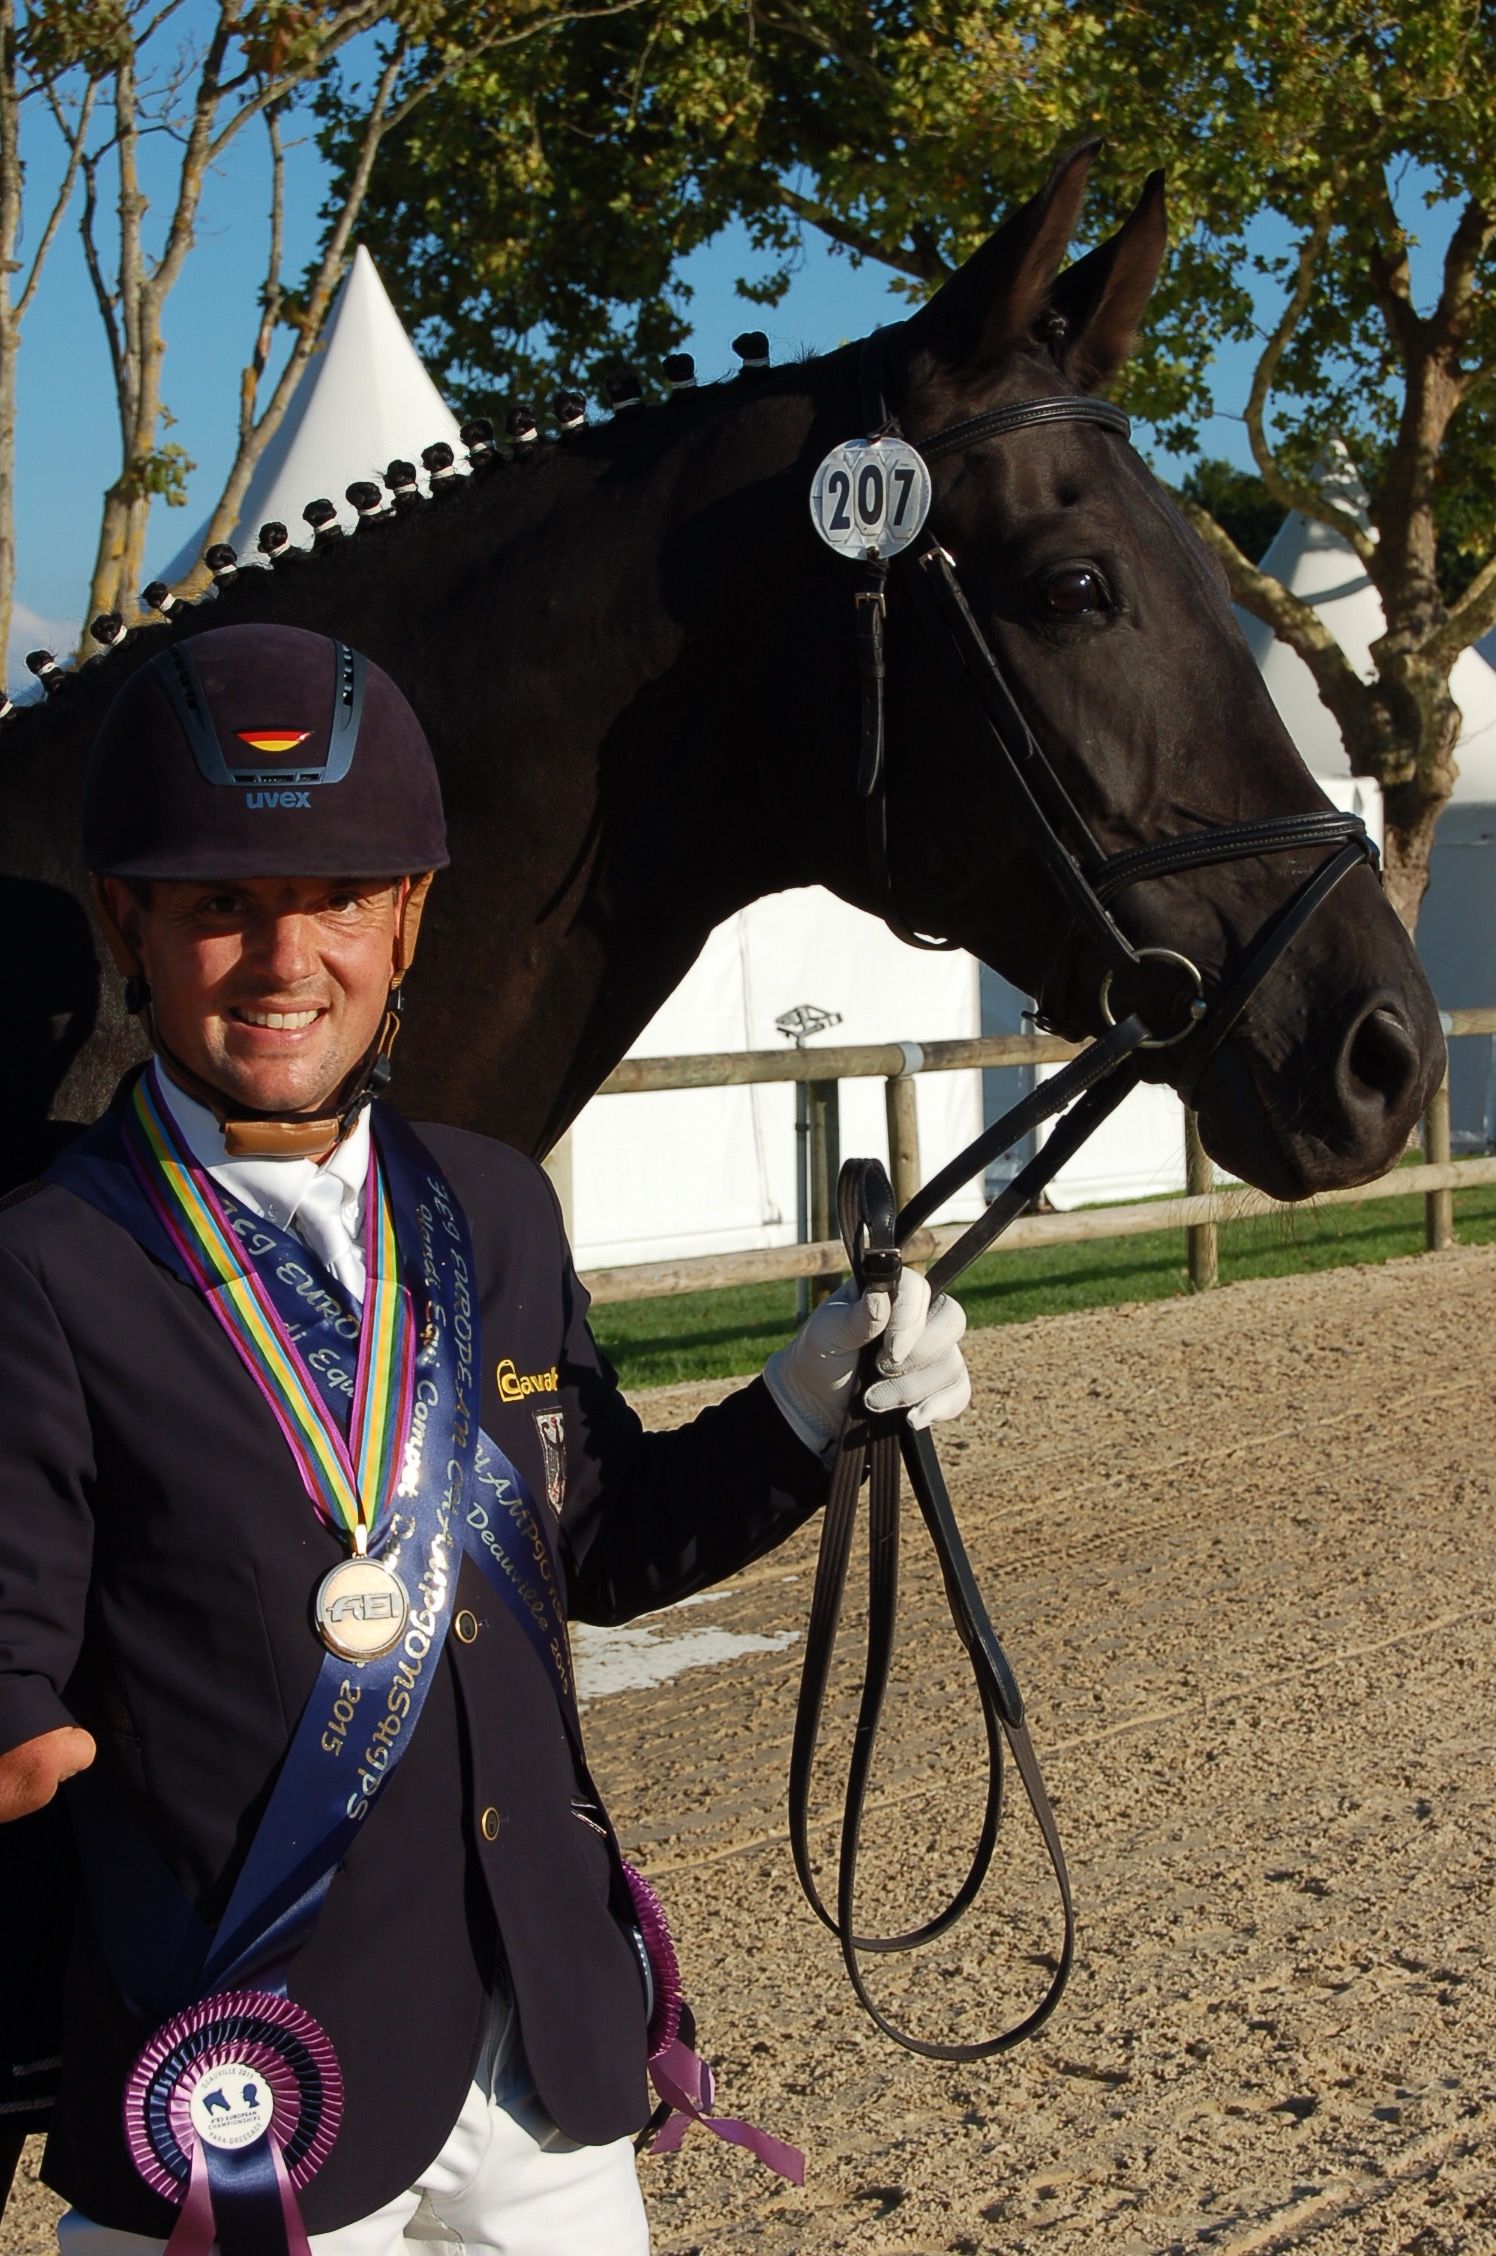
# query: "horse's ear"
{"points": [[1101, 298], [993, 301]]}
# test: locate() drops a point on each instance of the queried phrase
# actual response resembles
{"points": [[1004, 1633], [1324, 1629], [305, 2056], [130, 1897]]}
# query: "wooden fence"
{"points": [[1198, 1213]]}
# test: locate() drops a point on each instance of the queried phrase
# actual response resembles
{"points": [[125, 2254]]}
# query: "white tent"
{"points": [[363, 399], [713, 1170], [1457, 923]]}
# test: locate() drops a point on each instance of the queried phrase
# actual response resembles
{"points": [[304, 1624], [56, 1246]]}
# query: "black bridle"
{"points": [[1085, 1092], [1057, 834]]}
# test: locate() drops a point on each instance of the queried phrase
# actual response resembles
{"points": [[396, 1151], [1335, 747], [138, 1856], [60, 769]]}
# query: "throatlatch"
{"points": [[893, 509]]}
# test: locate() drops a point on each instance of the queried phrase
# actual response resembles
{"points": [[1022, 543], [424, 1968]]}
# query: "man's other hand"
{"points": [[31, 1773], [922, 1370]]}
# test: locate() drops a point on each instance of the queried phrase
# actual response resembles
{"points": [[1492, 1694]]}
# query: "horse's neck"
{"points": [[649, 718]]}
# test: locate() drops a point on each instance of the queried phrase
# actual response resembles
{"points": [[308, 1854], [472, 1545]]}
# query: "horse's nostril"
{"points": [[1380, 1061]]}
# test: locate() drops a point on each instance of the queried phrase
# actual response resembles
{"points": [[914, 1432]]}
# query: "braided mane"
{"points": [[394, 518]]}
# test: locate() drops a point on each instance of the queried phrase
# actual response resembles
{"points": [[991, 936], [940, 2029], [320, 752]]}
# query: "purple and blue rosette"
{"points": [[231, 2108]]}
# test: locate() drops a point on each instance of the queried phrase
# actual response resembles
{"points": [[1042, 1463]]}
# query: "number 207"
{"points": [[871, 497]]}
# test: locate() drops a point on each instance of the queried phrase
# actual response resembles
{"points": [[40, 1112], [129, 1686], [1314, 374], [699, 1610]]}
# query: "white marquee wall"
{"points": [[713, 1170]]}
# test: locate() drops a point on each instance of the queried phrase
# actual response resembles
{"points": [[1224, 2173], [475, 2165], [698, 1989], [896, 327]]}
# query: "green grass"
{"points": [[729, 1333]]}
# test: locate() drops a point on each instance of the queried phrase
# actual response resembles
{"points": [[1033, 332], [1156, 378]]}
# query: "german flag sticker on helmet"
{"points": [[273, 741]]}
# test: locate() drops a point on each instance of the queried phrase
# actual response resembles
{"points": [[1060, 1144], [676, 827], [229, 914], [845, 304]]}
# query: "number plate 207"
{"points": [[870, 497]]}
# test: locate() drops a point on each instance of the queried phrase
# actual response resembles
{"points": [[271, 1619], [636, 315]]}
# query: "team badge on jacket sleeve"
{"points": [[551, 1427]]}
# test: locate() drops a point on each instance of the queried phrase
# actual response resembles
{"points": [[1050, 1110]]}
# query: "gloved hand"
{"points": [[921, 1365]]}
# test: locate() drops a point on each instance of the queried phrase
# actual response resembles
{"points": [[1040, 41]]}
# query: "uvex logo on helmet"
{"points": [[187, 781]]}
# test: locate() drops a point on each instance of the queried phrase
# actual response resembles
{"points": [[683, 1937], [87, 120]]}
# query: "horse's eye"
{"points": [[1072, 593]]}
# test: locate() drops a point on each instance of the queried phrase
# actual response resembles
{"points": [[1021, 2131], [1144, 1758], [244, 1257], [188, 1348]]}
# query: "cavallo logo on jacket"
{"points": [[514, 1385]]}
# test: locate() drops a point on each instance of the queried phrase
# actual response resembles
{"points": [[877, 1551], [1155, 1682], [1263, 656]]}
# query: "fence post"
{"points": [[557, 1164], [1203, 1239], [1438, 1227], [825, 1165], [902, 1110]]}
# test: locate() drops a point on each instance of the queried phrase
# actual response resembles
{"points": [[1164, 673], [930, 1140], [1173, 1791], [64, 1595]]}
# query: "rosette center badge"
{"points": [[231, 2105]]}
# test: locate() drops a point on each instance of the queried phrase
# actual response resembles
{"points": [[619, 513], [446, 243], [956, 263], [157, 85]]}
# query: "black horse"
{"points": [[636, 663]]}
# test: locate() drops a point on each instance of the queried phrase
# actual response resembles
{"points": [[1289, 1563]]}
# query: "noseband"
{"points": [[1085, 1091]]}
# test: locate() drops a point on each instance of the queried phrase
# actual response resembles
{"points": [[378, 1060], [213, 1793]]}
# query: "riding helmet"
{"points": [[261, 751]]}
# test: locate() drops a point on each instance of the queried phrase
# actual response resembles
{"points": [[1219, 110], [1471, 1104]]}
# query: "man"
{"points": [[303, 1434]]}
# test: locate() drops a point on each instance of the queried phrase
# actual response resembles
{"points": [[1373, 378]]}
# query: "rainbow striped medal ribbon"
{"points": [[361, 1607]]}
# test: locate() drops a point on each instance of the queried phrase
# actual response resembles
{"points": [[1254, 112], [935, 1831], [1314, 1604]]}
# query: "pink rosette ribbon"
{"points": [[680, 2076], [684, 2081]]}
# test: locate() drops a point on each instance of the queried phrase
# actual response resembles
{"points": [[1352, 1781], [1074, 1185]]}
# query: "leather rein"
{"points": [[1085, 1092]]}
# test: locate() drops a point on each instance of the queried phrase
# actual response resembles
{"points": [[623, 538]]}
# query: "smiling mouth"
{"points": [[287, 1022]]}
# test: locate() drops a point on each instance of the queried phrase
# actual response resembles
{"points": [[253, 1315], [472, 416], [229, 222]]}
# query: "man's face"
{"points": [[270, 989]]}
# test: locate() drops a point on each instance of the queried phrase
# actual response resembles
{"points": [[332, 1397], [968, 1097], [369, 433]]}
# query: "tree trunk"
{"points": [[104, 590], [1415, 798], [1410, 826]]}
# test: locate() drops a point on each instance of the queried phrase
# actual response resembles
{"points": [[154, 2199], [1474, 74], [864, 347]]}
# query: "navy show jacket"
{"points": [[157, 1558]]}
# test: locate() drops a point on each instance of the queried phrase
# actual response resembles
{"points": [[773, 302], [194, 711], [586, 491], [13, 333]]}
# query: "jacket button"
{"points": [[489, 1824], [465, 1626]]}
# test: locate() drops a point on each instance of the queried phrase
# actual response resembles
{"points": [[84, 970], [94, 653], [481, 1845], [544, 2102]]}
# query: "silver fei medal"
{"points": [[870, 497], [360, 1609]]}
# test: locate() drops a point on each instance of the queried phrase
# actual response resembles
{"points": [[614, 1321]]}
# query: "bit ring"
{"points": [[1197, 1006]]}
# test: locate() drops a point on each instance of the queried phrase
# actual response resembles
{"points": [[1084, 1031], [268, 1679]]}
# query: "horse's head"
{"points": [[1112, 626]]}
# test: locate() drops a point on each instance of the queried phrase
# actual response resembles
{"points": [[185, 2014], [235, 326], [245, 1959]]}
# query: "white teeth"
{"points": [[289, 1020]]}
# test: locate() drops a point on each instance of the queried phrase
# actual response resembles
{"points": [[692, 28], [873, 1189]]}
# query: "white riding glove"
{"points": [[922, 1369]]}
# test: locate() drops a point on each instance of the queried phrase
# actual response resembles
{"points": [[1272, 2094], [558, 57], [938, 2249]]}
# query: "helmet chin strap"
{"points": [[282, 1135]]}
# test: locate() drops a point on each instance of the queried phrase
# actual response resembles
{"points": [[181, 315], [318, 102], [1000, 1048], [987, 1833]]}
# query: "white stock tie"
{"points": [[318, 1222]]}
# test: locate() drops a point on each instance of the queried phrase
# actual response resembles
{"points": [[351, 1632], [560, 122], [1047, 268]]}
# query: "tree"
{"points": [[119, 77], [534, 216], [25, 86]]}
